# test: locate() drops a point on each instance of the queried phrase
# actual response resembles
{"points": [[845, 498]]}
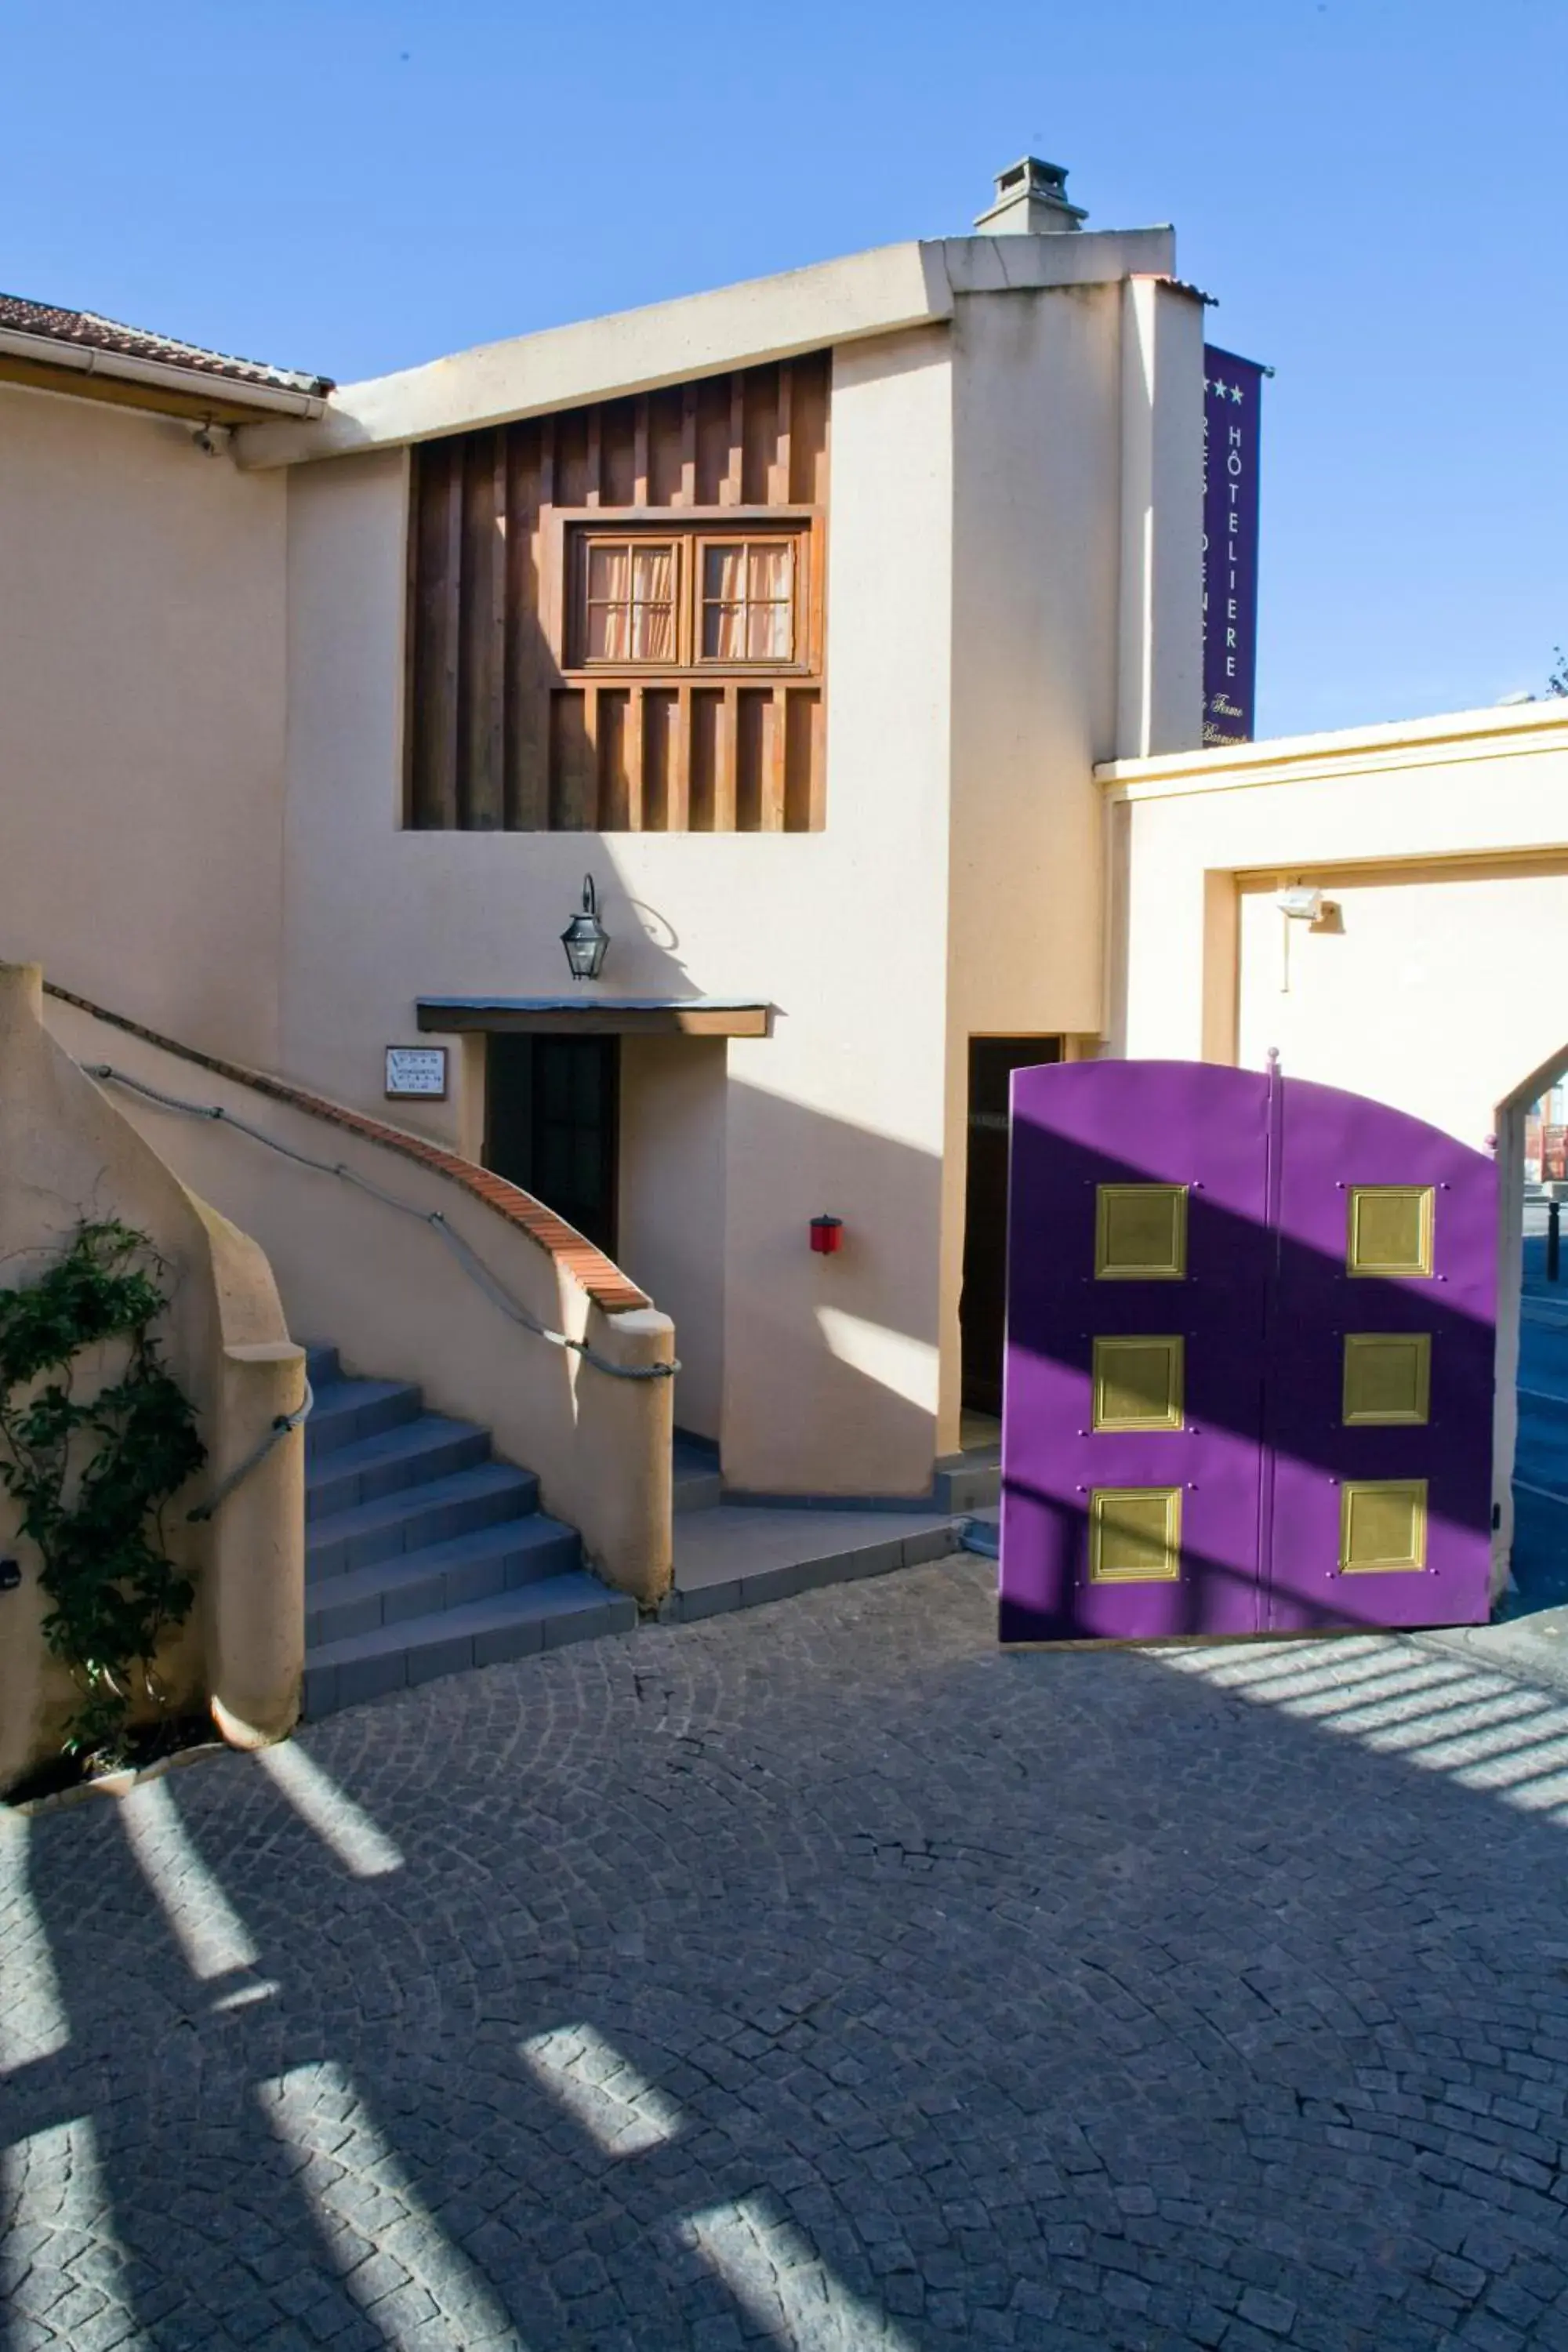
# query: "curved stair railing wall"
{"points": [[505, 1317], [68, 1154]]}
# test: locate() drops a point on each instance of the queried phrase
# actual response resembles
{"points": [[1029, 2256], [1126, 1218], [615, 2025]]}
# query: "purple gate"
{"points": [[1249, 1370]]}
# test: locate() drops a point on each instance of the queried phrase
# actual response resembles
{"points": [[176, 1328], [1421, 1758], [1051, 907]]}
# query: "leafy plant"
{"points": [[1557, 677], [91, 1474]]}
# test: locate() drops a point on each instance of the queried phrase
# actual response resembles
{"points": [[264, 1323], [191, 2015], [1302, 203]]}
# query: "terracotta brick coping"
{"points": [[599, 1275]]}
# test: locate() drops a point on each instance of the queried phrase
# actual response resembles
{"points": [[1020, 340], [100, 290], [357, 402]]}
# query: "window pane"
{"points": [[653, 574], [769, 567], [652, 633], [723, 632], [768, 633], [608, 573], [724, 573], [748, 611], [630, 601], [609, 635]]}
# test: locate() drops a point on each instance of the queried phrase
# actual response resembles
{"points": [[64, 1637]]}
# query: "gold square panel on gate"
{"points": [[1388, 1379], [1135, 1534], [1141, 1233], [1390, 1230], [1139, 1383], [1382, 1527]]}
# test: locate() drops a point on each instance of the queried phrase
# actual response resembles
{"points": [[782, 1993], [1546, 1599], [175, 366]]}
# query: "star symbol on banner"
{"points": [[1236, 391], [1217, 388]]}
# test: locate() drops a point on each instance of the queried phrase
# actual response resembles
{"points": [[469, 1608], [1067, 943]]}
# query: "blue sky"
{"points": [[1373, 188]]}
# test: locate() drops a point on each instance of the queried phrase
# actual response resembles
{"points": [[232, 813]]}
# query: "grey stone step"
{"points": [[697, 1483], [558, 1609], [968, 1482], [443, 1576], [413, 1453], [746, 1553], [345, 1410], [321, 1363], [418, 1516]]}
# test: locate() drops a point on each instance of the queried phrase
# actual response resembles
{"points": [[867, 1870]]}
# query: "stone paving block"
{"points": [[1088, 1998]]}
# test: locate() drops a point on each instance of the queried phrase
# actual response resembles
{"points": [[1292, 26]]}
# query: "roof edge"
{"points": [[125, 367], [1494, 732], [884, 291]]}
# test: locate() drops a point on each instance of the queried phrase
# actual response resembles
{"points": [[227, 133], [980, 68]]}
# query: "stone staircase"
{"points": [[423, 1556]]}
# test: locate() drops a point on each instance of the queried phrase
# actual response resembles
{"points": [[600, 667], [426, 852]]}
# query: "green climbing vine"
{"points": [[91, 1474]]}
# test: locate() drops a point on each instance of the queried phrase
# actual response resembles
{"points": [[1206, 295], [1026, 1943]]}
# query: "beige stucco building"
{"points": [[844, 627], [226, 712]]}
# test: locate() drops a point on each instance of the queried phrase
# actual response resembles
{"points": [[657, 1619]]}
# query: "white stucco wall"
{"points": [[141, 719], [1037, 537], [830, 1366], [673, 1169], [1077, 417], [1445, 844], [1440, 994]]}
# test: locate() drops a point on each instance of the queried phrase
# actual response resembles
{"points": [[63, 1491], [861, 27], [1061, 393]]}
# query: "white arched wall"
{"points": [[1434, 980], [1511, 1116]]}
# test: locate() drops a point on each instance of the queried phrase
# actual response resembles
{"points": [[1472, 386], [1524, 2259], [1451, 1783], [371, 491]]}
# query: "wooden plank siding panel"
{"points": [[776, 490], [687, 491], [661, 707], [640, 452], [527, 747], [479, 780], [636, 728], [677, 781], [501, 730], [726, 761], [436, 599], [773, 794]]}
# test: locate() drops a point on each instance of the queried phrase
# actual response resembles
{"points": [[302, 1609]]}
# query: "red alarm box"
{"points": [[826, 1235]]}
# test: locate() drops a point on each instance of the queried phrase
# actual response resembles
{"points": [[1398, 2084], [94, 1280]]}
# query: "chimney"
{"points": [[1031, 201]]}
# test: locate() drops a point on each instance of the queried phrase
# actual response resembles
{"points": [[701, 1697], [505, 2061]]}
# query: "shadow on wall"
{"points": [[816, 1374], [1006, 1946]]}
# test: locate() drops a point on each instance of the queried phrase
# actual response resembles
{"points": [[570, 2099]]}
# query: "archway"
{"points": [[1531, 1427]]}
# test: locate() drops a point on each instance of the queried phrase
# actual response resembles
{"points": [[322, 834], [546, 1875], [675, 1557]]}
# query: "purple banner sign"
{"points": [[1232, 405]]}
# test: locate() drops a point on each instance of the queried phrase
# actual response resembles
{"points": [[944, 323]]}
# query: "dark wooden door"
{"points": [[982, 1304], [551, 1122]]}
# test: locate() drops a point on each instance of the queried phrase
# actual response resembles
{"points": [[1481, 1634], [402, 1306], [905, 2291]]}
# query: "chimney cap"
{"points": [[1031, 200]]}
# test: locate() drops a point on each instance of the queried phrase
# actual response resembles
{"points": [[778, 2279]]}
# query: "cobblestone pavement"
{"points": [[816, 1977]]}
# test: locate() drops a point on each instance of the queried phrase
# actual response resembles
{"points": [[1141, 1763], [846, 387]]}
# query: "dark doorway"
{"points": [[981, 1310], [551, 1122]]}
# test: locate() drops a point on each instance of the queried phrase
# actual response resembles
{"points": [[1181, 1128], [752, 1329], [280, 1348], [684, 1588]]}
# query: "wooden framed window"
{"points": [[629, 601], [747, 609], [697, 599]]}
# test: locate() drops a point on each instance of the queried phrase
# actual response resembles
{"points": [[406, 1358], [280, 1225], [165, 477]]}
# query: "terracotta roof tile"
{"points": [[51, 324]]}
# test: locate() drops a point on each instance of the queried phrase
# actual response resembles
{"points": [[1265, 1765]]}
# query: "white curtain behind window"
{"points": [[724, 604], [631, 603], [768, 633], [653, 604]]}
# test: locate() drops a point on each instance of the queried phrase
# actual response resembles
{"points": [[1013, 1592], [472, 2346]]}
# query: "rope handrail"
{"points": [[467, 1258], [281, 1425]]}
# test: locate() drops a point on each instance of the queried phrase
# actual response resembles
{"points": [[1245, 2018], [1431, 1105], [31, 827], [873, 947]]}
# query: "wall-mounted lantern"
{"points": [[586, 938], [826, 1236]]}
